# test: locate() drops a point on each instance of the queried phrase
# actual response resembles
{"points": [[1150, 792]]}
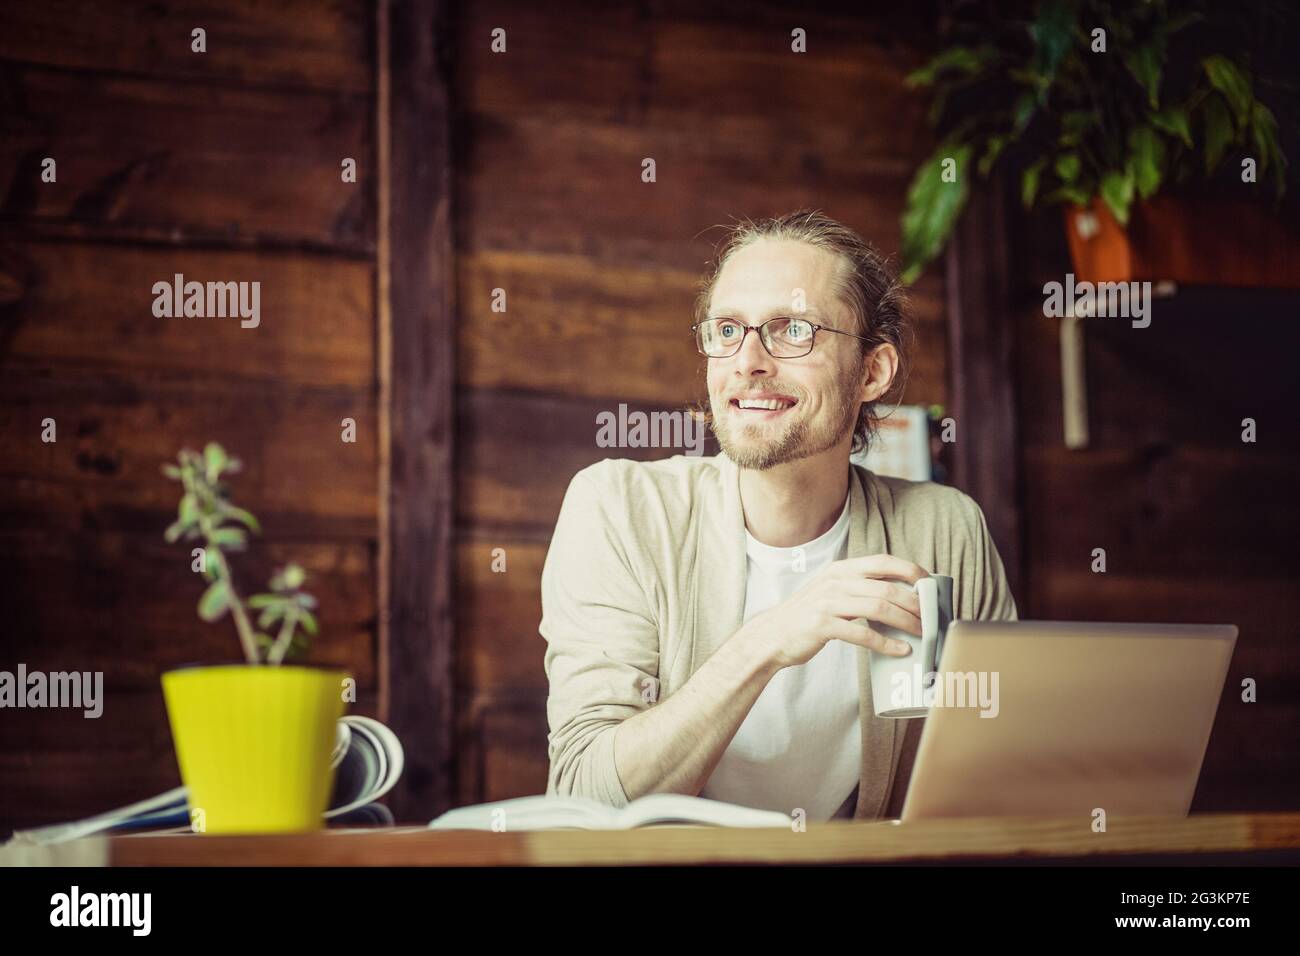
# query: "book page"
{"points": [[677, 808]]}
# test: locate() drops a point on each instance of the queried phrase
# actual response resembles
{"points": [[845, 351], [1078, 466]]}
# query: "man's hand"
{"points": [[871, 587]]}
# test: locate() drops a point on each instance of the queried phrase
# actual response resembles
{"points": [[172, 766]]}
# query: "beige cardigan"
{"points": [[645, 579]]}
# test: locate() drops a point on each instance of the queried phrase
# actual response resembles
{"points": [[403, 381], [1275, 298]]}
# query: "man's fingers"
{"points": [[868, 638], [878, 611], [892, 591], [885, 566]]}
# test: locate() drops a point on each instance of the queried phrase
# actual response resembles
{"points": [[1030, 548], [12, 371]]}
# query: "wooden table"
{"points": [[987, 840]]}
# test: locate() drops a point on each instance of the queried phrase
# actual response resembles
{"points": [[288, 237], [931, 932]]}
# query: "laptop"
{"points": [[1036, 718]]}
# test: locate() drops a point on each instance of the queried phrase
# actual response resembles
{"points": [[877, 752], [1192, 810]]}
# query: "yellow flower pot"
{"points": [[253, 744]]}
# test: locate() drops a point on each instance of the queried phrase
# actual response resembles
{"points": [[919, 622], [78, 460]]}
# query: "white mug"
{"points": [[899, 684]]}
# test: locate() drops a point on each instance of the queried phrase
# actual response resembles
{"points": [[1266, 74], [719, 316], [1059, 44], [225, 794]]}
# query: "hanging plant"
{"points": [[1083, 101]]}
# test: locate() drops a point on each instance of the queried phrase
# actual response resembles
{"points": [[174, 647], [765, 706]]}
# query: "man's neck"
{"points": [[797, 502]]}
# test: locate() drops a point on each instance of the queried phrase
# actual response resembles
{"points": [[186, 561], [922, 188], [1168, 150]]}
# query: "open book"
{"points": [[579, 813], [367, 761]]}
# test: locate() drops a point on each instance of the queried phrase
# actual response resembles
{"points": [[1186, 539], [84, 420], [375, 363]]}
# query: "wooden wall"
{"points": [[1197, 525], [599, 268], [223, 165]]}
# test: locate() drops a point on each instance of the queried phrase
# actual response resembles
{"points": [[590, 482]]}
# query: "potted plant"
{"points": [[253, 740], [1096, 107]]}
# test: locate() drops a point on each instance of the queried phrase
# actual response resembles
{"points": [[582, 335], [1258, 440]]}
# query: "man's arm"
{"points": [[674, 746], [609, 741]]}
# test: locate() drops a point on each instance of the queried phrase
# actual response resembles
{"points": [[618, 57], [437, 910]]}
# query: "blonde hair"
{"points": [[868, 285]]}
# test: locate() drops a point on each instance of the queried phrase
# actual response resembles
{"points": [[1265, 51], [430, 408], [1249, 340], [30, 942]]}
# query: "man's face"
{"points": [[819, 393]]}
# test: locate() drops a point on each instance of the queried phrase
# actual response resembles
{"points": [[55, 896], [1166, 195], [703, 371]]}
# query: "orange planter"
{"points": [[1189, 241]]}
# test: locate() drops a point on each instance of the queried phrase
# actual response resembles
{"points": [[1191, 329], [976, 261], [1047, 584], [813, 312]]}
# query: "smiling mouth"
{"points": [[762, 408]]}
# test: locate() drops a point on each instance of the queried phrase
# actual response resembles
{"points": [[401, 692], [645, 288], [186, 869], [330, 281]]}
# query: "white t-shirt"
{"points": [[801, 744]]}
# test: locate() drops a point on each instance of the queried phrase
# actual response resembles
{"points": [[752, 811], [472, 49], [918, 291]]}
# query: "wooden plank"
{"points": [[90, 307], [985, 454], [303, 43], [102, 473], [419, 678], [575, 189], [124, 603], [739, 73], [1162, 510], [133, 725], [567, 315], [513, 746], [47, 788], [1185, 379], [498, 644], [675, 67], [502, 745], [1169, 595], [842, 842], [519, 451], [59, 767], [187, 162]]}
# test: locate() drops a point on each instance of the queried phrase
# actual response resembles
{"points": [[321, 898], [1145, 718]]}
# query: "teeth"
{"points": [[771, 404]]}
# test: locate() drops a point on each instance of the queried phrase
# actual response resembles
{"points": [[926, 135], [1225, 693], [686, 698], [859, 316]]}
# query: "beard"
{"points": [[761, 445]]}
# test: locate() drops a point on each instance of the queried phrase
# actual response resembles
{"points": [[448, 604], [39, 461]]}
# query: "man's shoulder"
{"points": [[678, 477], [903, 498]]}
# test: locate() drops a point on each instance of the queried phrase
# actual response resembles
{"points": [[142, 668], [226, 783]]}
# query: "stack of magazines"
{"points": [[367, 761]]}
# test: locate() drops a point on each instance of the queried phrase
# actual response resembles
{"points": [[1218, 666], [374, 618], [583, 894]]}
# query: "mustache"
{"points": [[763, 389]]}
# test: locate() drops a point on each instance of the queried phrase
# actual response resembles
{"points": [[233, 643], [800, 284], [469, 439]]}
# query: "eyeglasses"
{"points": [[783, 337]]}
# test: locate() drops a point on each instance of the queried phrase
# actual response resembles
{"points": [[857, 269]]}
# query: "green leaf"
{"points": [[293, 576], [1218, 131], [171, 471], [233, 538], [264, 600], [239, 514], [215, 600], [1263, 133], [932, 207], [1029, 182], [1053, 33], [1146, 159], [1144, 63], [214, 460], [994, 149], [1228, 80], [270, 616], [1173, 120], [308, 621], [1182, 21], [1078, 122], [1067, 167], [174, 531], [960, 59], [1022, 112], [1117, 191], [1074, 195]]}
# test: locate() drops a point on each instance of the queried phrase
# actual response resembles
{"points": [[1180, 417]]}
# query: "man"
{"points": [[708, 620]]}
